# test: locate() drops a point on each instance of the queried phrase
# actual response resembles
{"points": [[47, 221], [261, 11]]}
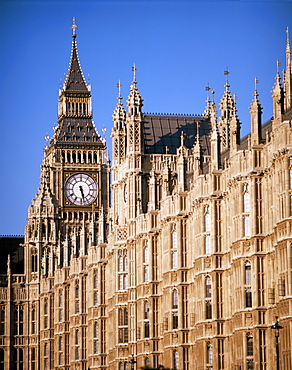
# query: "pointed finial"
{"points": [[288, 51], [119, 89], [278, 65], [226, 73], [134, 69], [213, 94], [182, 138], [256, 81], [74, 27], [207, 88]]}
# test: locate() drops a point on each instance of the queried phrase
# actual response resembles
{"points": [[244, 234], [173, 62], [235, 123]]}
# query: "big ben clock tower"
{"points": [[65, 236]]}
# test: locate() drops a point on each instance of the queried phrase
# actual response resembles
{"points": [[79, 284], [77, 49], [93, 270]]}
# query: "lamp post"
{"points": [[276, 327], [132, 362]]}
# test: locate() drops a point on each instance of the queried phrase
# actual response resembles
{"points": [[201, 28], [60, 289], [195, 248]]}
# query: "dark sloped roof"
{"points": [[77, 131], [161, 130], [75, 81]]}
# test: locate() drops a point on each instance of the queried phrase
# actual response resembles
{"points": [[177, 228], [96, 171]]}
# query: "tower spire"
{"points": [[278, 97], [75, 107], [118, 134], [75, 80], [288, 75], [228, 123], [134, 69], [256, 116], [226, 73], [135, 138], [207, 111]]}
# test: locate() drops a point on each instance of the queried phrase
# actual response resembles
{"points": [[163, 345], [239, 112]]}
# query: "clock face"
{"points": [[80, 189]]}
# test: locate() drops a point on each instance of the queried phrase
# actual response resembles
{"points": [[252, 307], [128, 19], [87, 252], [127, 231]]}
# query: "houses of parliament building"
{"points": [[176, 255]]}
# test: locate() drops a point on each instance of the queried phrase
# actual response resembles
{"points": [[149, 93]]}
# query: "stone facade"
{"points": [[190, 264]]}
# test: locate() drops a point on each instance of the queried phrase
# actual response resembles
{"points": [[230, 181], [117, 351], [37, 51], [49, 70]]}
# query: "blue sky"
{"points": [[179, 47]]}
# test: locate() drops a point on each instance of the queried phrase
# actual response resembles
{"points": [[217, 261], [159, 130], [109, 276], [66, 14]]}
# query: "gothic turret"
{"points": [[42, 227], [119, 131], [228, 123], [135, 134], [182, 153], [214, 136], [256, 118], [288, 76], [197, 153], [278, 98]]}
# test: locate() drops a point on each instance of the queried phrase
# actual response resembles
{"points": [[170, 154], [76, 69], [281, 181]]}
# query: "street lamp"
{"points": [[132, 362], [276, 327]]}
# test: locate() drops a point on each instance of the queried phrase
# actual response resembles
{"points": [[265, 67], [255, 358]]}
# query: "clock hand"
{"points": [[81, 190]]}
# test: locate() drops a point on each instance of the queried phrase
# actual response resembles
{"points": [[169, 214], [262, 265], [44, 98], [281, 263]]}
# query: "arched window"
{"points": [[208, 310], [123, 325], [249, 345], [95, 331], [174, 263], [77, 294], [249, 351], [146, 310], [46, 313], [33, 320], [208, 287], [34, 260], [209, 353], [174, 311], [61, 304], [175, 360], [247, 282], [18, 359], [77, 344], [61, 349], [122, 270], [247, 269], [147, 362], [246, 210], [123, 366], [46, 356], [95, 288], [207, 219], [146, 261], [207, 244], [146, 319], [18, 320], [95, 338], [174, 299], [33, 358], [246, 199]]}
